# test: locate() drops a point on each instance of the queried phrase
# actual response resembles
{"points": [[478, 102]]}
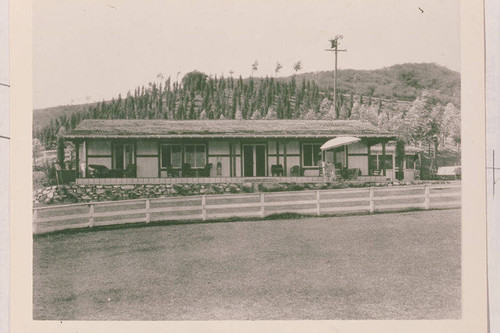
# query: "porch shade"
{"points": [[339, 141]]}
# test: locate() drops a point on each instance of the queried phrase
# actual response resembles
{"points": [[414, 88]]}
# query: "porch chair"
{"points": [[98, 171], [171, 172], [295, 171], [205, 172], [277, 170], [131, 171], [187, 171]]}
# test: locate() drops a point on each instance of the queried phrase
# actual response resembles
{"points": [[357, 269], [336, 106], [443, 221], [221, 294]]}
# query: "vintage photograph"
{"points": [[242, 160]]}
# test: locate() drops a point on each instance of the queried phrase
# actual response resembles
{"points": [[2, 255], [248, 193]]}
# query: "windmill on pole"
{"points": [[335, 48]]}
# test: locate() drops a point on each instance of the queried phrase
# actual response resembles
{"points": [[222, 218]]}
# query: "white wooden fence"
{"points": [[206, 207]]}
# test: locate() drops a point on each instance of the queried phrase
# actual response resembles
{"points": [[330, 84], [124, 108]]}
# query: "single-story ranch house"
{"points": [[167, 151]]}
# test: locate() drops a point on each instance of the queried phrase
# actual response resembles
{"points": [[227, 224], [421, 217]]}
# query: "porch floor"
{"points": [[208, 180]]}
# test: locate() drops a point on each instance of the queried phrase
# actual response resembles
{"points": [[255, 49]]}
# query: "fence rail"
{"points": [[205, 207]]}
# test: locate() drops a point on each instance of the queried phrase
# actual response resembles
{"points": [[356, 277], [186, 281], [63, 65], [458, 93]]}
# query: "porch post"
{"points": [[77, 159], [285, 171], [278, 154], [346, 157], [369, 147], [394, 165], [230, 159], [383, 158]]}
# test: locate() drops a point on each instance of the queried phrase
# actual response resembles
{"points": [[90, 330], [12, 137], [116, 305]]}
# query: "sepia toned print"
{"points": [[248, 169]]}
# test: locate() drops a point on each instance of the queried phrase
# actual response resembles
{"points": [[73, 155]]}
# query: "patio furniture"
{"points": [[330, 172], [205, 172], [116, 173], [171, 172], [350, 174], [295, 171], [187, 171], [131, 171], [277, 170], [98, 171]]}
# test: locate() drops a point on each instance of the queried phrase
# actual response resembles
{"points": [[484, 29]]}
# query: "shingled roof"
{"points": [[120, 128]]}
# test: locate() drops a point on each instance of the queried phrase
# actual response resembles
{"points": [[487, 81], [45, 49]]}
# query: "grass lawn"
{"points": [[384, 266]]}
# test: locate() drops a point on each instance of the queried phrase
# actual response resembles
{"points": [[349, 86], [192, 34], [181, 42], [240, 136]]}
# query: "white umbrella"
{"points": [[339, 141]]}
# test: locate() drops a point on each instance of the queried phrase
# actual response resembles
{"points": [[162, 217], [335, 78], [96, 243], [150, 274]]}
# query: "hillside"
{"points": [[401, 82], [42, 117], [382, 97]]}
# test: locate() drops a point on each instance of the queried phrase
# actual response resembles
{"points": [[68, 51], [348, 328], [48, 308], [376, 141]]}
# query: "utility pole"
{"points": [[334, 47]]}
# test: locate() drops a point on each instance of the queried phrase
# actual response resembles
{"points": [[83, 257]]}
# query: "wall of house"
{"points": [[358, 148], [218, 152], [360, 162], [147, 167], [147, 158], [99, 147]]}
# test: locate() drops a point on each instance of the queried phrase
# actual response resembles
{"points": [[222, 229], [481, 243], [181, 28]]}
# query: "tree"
{"points": [[255, 66], [60, 151], [355, 110], [37, 149], [256, 115], [277, 68], [325, 106], [400, 155], [194, 80], [330, 114], [451, 123], [297, 67], [424, 122], [238, 115], [310, 115], [271, 113]]}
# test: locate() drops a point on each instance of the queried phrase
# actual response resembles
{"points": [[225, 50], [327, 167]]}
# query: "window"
{"points": [[387, 162], [195, 156], [410, 162], [171, 156], [373, 163], [377, 163], [123, 155], [311, 154]]}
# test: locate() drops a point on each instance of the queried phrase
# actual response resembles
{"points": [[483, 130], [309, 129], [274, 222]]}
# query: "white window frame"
{"points": [[195, 152]]}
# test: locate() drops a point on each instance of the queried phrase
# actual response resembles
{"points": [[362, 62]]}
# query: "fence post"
{"points": [[91, 217], [372, 203], [148, 214], [203, 208], [318, 209], [262, 208], [35, 222], [426, 201]]}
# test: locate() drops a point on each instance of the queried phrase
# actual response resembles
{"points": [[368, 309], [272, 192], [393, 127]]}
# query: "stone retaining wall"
{"points": [[64, 194]]}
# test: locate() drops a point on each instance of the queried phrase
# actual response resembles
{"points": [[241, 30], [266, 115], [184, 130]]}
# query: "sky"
{"points": [[90, 50]]}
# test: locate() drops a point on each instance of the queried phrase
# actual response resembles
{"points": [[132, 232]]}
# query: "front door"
{"points": [[254, 160]]}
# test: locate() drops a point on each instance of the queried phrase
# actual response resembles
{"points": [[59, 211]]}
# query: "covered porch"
{"points": [[229, 151]]}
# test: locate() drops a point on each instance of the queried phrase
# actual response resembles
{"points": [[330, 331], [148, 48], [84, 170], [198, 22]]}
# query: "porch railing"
{"points": [[207, 180]]}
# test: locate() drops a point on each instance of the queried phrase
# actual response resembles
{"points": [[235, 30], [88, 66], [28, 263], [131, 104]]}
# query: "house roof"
{"points": [[121, 128]]}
